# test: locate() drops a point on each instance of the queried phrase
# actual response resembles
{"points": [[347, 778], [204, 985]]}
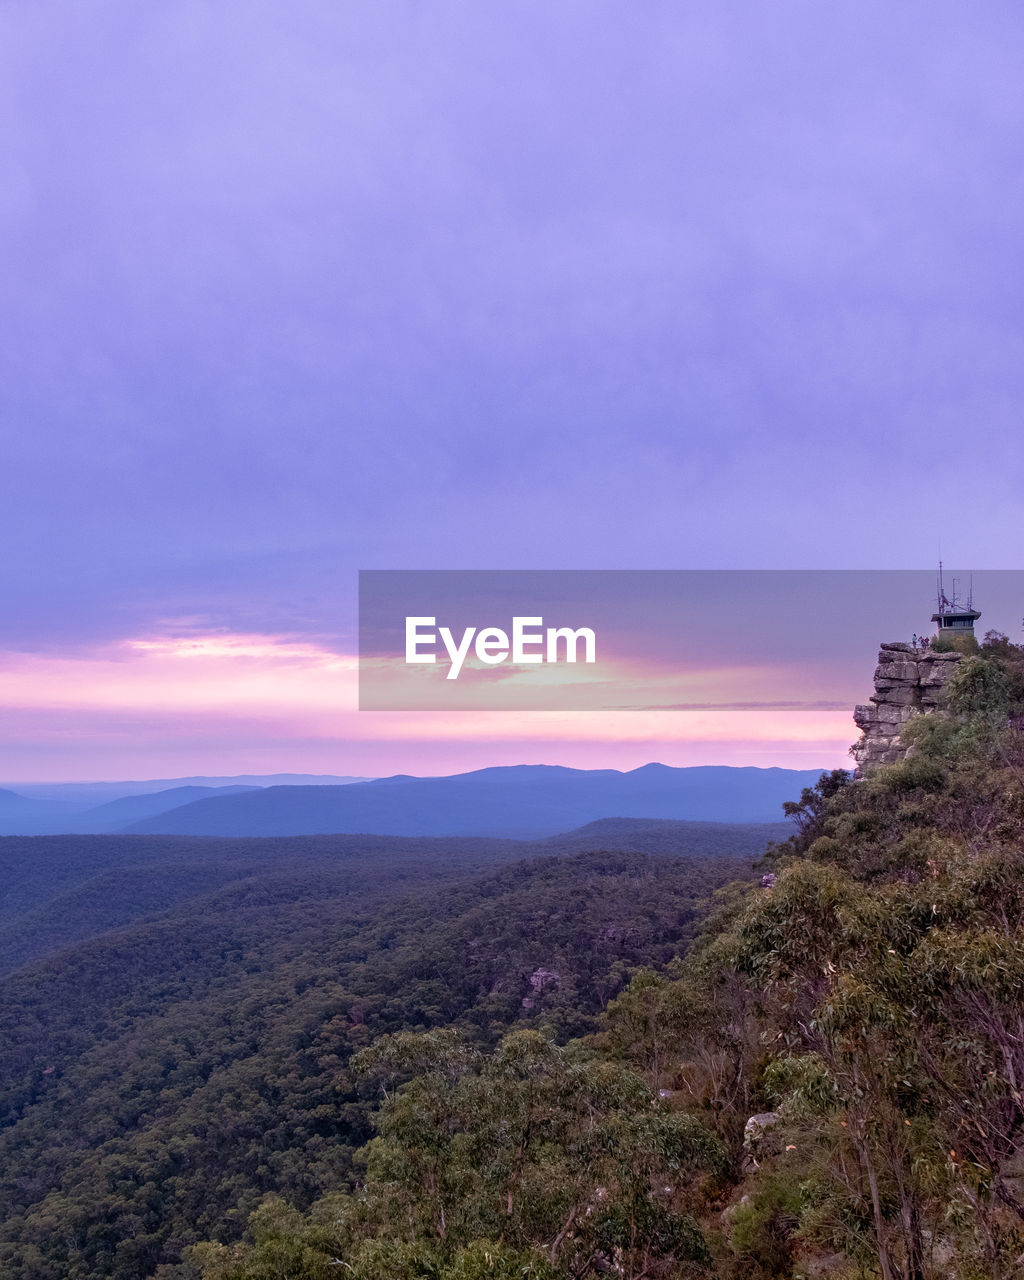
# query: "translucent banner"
{"points": [[607, 640]]}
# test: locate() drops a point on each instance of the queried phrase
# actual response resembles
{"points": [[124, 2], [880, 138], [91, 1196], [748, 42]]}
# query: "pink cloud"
{"points": [[223, 703]]}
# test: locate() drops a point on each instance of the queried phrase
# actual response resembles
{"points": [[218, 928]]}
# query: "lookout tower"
{"points": [[954, 615]]}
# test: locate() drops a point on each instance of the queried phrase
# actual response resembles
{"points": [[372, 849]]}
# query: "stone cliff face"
{"points": [[908, 682]]}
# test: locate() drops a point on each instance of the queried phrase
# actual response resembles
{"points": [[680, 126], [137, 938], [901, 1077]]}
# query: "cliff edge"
{"points": [[909, 681]]}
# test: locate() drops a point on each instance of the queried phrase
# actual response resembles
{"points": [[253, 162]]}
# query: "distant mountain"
{"points": [[117, 814], [87, 795], [518, 802], [261, 780], [666, 836], [69, 808], [20, 815]]}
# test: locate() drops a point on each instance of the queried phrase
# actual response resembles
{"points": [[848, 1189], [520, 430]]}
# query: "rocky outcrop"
{"points": [[757, 1126], [755, 1135], [540, 980], [909, 682]]}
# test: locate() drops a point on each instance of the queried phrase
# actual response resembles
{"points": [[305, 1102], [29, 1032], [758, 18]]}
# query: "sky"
{"points": [[292, 291]]}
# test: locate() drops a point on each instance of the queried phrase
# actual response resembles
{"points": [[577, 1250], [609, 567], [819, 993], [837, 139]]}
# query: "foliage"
{"points": [[876, 983], [531, 1158], [158, 1081], [820, 1074]]}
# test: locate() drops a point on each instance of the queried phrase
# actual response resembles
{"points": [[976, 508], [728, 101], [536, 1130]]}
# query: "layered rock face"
{"points": [[908, 682]]}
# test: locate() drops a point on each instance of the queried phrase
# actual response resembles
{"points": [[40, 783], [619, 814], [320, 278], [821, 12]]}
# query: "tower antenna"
{"points": [[955, 618]]}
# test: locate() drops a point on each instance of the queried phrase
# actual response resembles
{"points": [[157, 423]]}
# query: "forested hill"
{"points": [[61, 890], [508, 1073], [831, 1083], [188, 1053]]}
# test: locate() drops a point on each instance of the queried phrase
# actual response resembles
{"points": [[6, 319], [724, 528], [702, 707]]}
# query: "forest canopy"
{"points": [[830, 1082], [586, 1064]]}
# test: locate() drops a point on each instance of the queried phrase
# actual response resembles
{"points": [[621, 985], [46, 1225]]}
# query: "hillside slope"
{"points": [[834, 1072], [63, 890], [157, 1081]]}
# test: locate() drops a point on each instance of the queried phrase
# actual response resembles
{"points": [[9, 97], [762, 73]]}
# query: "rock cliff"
{"points": [[908, 682]]}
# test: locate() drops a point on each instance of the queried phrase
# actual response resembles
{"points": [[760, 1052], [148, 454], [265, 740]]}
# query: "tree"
{"points": [[547, 1160]]}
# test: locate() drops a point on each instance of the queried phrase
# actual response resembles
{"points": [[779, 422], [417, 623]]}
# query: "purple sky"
{"points": [[293, 290]]}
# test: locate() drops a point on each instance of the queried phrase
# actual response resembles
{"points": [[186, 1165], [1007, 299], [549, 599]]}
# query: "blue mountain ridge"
{"points": [[518, 801]]}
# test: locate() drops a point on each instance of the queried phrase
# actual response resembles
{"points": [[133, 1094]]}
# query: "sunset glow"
{"points": [[263, 698]]}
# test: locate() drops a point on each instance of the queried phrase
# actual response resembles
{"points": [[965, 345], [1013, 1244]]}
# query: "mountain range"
{"points": [[515, 802], [521, 802], [56, 808]]}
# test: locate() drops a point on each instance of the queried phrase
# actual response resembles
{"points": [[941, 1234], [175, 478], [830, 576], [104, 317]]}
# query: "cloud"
{"points": [[293, 291], [156, 705], [551, 284], [207, 675], [818, 705]]}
